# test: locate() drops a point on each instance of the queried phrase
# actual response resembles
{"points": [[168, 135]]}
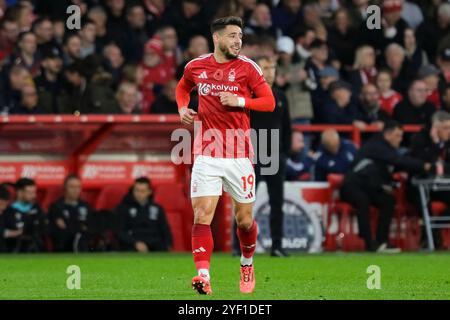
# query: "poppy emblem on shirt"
{"points": [[218, 75]]}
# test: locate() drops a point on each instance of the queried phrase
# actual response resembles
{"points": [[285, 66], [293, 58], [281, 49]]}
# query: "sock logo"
{"points": [[250, 246], [199, 250]]}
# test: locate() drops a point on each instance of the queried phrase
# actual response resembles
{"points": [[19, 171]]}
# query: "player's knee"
{"points": [[244, 221], [202, 215]]}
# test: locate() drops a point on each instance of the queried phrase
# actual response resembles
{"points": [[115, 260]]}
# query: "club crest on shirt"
{"points": [[132, 212], [232, 75], [153, 213]]}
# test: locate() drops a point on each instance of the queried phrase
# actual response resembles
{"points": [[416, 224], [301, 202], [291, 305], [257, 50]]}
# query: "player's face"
{"points": [[230, 41], [27, 195], [141, 192], [73, 189]]}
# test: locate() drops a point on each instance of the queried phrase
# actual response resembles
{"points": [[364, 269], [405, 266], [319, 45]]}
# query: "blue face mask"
{"points": [[22, 206]]}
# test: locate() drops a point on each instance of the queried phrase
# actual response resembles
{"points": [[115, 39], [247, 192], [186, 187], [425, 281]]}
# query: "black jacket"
{"points": [[146, 223], [422, 147], [375, 163], [278, 119], [33, 222], [75, 216]]}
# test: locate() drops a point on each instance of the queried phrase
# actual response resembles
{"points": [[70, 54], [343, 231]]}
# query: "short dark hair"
{"points": [[222, 23], [22, 183], [143, 180], [69, 177], [391, 125]]}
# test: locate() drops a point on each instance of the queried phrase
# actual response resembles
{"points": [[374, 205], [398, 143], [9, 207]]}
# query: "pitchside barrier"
{"points": [[110, 151]]}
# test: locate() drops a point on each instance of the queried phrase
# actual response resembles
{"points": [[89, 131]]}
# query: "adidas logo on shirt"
{"points": [[203, 75], [249, 196]]}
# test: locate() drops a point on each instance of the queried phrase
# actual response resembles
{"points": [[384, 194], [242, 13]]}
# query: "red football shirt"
{"points": [[225, 131]]}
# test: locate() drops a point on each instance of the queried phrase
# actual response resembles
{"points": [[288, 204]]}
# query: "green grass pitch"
{"points": [[167, 276]]}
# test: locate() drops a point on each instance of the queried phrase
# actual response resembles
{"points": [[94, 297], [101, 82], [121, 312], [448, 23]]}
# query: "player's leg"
{"points": [[240, 182], [206, 187]]}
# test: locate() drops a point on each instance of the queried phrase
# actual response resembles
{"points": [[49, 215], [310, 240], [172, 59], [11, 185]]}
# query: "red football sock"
{"points": [[247, 239], [202, 245]]}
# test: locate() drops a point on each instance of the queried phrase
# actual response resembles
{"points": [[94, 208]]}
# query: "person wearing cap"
{"points": [[430, 75], [290, 77], [49, 82], [339, 108]]}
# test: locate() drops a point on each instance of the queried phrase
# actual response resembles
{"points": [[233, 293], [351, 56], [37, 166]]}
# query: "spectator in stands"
{"points": [[446, 99], [340, 109], [87, 36], [10, 92], [59, 31], [311, 19], [25, 15], [102, 37], [188, 18], [113, 62], [364, 70], [412, 14], [290, 77], [127, 97], [415, 109], [166, 103], [369, 106], [334, 155], [116, 23], [68, 218], [287, 14], [370, 182], [342, 40], [388, 97], [72, 48], [198, 45], [29, 102], [430, 75], [154, 12], [137, 33], [49, 82], [433, 30], [172, 55], [357, 10], [27, 54], [298, 164], [26, 218], [260, 22], [444, 65], [414, 55], [9, 33], [303, 37], [143, 224], [43, 29], [398, 66], [392, 27]]}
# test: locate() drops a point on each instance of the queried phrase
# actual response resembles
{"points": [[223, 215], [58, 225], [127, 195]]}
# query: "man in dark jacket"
{"points": [[370, 182], [68, 218], [432, 145], [143, 223], [26, 218]]}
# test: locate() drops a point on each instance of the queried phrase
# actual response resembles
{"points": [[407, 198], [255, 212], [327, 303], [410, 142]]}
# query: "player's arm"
{"points": [[264, 100], [182, 94]]}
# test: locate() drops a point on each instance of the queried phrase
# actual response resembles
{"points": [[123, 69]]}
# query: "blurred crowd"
{"points": [[127, 55]]}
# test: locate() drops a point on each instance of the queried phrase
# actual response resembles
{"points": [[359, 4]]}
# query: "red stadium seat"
{"points": [[173, 199], [110, 197]]}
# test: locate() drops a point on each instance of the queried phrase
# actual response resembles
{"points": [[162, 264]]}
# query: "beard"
{"points": [[227, 53]]}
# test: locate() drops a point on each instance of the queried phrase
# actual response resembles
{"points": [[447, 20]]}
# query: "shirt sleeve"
{"points": [[255, 76]]}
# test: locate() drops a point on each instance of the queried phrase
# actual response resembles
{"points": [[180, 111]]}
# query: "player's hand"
{"points": [[228, 99], [141, 246], [187, 115], [13, 233], [427, 166]]}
